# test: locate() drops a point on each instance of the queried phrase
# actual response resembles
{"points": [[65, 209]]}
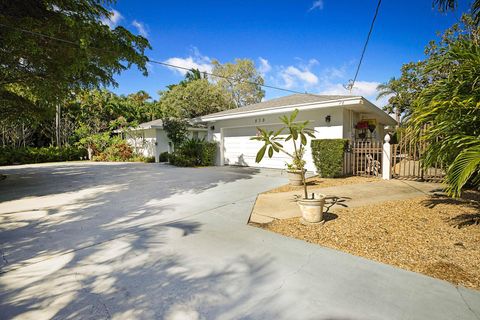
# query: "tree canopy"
{"points": [[241, 80], [441, 96], [194, 98], [52, 48]]}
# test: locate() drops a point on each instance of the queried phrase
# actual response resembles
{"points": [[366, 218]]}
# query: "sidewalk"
{"points": [[270, 206]]}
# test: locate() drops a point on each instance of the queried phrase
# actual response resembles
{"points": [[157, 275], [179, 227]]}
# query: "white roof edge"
{"points": [[159, 127], [300, 106], [381, 113]]}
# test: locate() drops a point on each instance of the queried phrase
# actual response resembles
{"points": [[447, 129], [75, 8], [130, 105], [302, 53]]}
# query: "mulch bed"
{"points": [[317, 182], [434, 235]]}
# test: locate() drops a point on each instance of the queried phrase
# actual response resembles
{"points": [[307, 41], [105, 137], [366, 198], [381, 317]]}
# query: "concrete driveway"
{"points": [[148, 241]]}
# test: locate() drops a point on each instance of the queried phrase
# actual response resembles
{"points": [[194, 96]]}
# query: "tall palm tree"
{"points": [[446, 5]]}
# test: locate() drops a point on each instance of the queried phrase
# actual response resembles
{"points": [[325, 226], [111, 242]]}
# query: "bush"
{"points": [[209, 152], [181, 160], [106, 148], [328, 156], [163, 157], [149, 159], [26, 155], [194, 152]]}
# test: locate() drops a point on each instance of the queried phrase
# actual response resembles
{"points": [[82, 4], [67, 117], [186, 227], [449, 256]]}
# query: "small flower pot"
{"points": [[295, 177], [312, 209]]}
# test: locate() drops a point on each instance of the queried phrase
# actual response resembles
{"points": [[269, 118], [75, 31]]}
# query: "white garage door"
{"points": [[241, 151]]}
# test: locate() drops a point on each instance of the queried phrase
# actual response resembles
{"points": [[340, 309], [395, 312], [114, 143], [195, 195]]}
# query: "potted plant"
{"points": [[297, 132]]}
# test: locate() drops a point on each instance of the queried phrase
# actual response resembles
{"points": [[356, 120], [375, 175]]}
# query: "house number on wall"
{"points": [[259, 120]]}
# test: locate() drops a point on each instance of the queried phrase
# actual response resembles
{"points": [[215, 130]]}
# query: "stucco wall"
{"points": [[246, 127], [143, 141]]}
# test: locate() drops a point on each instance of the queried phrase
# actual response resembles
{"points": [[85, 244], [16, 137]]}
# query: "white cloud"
{"points": [[140, 28], [194, 61], [366, 89], [113, 20], [293, 76], [335, 73], [265, 66], [318, 4]]}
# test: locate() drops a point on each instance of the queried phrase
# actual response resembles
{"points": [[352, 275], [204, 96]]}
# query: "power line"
{"points": [[351, 83], [156, 61]]}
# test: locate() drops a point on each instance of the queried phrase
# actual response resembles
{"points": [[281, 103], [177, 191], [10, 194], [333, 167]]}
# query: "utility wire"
{"points": [[351, 83], [156, 61]]}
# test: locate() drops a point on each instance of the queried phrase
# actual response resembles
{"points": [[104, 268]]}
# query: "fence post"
{"points": [[386, 159]]}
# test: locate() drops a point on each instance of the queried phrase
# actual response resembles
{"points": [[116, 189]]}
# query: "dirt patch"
{"points": [[317, 183], [433, 235]]}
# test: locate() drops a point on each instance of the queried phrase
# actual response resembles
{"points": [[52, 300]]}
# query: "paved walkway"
{"points": [[270, 206], [145, 241]]}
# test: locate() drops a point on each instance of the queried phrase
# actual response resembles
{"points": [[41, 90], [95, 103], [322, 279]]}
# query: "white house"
{"points": [[332, 116], [150, 139]]}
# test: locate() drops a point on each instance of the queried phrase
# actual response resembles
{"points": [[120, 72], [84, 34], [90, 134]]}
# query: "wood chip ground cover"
{"points": [[433, 235], [317, 182]]}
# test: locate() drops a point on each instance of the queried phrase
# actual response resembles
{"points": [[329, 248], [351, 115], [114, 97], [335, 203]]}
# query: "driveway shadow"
{"points": [[93, 241]]}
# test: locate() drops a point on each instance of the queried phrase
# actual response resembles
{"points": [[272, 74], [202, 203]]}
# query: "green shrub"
{"points": [[209, 152], [180, 160], [26, 155], [194, 152], [149, 159], [328, 155], [163, 157]]}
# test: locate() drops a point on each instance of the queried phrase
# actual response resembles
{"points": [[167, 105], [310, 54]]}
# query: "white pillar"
{"points": [[387, 159], [222, 148]]}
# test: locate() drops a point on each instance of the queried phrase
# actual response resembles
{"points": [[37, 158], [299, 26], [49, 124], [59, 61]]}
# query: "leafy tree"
{"points": [[450, 106], [193, 99], [241, 80], [415, 77], [176, 129], [49, 70], [402, 91]]}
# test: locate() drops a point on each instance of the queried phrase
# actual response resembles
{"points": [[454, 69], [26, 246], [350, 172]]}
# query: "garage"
{"points": [[239, 150], [331, 116]]}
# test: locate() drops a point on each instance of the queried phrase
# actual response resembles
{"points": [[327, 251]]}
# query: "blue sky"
{"points": [[306, 45]]}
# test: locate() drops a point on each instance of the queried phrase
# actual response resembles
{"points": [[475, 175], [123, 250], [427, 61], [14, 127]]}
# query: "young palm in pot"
{"points": [[296, 132]]}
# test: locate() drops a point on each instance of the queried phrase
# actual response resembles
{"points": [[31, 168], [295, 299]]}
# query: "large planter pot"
{"points": [[295, 177], [312, 209]]}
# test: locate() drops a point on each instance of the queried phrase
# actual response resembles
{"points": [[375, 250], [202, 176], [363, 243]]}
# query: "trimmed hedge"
{"points": [[163, 157], [328, 156], [26, 155], [193, 153], [209, 151]]}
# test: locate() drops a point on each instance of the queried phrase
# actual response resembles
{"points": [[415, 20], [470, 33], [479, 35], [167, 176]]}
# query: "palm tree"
{"points": [[191, 75], [451, 105], [393, 89], [446, 5]]}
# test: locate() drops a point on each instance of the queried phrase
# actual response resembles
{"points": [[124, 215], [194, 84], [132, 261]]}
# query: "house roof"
{"points": [[158, 124], [151, 124], [302, 102], [294, 99]]}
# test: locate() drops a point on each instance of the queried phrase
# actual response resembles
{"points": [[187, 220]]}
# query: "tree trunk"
{"points": [[305, 192], [57, 126]]}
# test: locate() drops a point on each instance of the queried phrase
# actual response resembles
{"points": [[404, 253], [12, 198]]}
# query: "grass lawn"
{"points": [[434, 235]]}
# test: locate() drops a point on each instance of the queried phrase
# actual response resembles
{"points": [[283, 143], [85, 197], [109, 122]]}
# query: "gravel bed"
{"points": [[433, 235], [317, 182]]}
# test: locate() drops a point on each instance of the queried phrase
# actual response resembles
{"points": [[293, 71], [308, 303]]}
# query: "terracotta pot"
{"points": [[295, 177], [312, 209]]}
